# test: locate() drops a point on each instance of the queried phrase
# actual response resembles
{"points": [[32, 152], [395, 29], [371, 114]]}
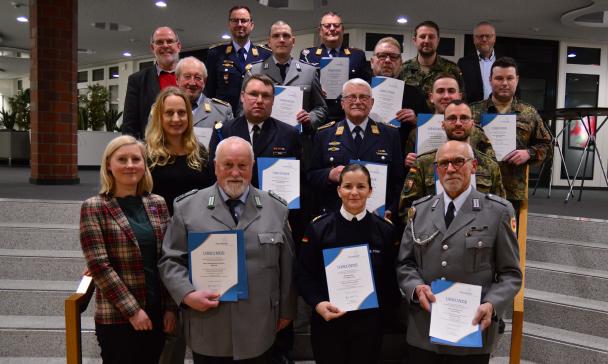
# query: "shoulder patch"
{"points": [[328, 125], [277, 197], [498, 199], [422, 199], [220, 101], [184, 195]]}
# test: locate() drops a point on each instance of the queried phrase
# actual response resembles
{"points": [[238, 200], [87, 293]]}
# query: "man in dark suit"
{"points": [[144, 85], [228, 63], [476, 67], [331, 32]]}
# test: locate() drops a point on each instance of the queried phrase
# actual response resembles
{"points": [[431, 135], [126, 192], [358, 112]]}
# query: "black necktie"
{"points": [[358, 138], [232, 204], [256, 134], [241, 58], [449, 215], [194, 105], [282, 70]]}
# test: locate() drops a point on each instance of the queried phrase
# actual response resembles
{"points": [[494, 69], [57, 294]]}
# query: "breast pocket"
{"points": [[479, 253], [271, 244], [524, 132]]}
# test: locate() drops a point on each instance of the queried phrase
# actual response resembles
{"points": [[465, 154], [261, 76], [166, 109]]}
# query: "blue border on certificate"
{"points": [[377, 80], [267, 162]]}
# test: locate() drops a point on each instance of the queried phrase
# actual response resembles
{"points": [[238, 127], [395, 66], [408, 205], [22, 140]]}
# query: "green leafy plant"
{"points": [[8, 118], [20, 105], [111, 118], [83, 118], [95, 103]]}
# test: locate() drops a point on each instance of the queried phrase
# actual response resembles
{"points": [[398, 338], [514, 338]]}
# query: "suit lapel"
{"points": [[221, 212], [153, 85], [120, 218], [347, 138], [272, 71], [370, 139], [241, 129], [293, 72], [200, 113], [464, 216], [438, 214], [266, 135], [251, 212], [154, 217]]}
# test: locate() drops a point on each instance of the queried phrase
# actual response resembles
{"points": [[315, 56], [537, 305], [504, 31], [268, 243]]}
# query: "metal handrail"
{"points": [[75, 305]]}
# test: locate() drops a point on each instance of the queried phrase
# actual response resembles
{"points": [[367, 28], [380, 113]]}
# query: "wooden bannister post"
{"points": [[74, 306]]}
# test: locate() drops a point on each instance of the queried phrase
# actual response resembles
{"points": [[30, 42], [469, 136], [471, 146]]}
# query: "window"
{"points": [[83, 76], [585, 56], [19, 85], [98, 74], [372, 38], [447, 47], [113, 72]]}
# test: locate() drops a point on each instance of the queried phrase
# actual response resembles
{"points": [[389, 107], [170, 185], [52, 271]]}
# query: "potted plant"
{"points": [[15, 144]]}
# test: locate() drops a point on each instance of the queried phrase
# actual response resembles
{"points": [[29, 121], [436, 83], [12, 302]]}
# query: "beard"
{"points": [[234, 188]]}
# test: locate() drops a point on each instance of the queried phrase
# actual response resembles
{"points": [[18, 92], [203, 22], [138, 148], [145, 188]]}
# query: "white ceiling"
{"points": [[202, 22]]}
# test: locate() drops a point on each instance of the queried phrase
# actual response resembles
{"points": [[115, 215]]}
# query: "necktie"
{"points": [[282, 70], [241, 58], [449, 215], [194, 104], [354, 219], [333, 53], [232, 204], [256, 134], [358, 138]]}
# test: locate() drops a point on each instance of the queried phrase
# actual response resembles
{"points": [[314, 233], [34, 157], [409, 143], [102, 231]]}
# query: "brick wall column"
{"points": [[54, 105]]}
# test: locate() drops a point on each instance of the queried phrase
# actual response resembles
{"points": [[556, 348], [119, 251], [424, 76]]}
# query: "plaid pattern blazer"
{"points": [[113, 257]]}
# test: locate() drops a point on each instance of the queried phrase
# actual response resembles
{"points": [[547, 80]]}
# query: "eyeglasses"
{"points": [[160, 42], [255, 95], [452, 119], [327, 26], [457, 163], [239, 21], [391, 56], [353, 98]]}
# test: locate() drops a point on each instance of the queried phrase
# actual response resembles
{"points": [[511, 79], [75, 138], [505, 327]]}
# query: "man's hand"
{"points": [[328, 311], [169, 321], [334, 174], [425, 296], [140, 321], [406, 116], [303, 117], [282, 324], [410, 160], [517, 157], [202, 300], [483, 316]]}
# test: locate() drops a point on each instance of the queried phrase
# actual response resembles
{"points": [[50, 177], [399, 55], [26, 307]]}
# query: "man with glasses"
{"points": [[476, 67], [421, 178], [143, 86], [331, 33], [357, 137], [228, 63], [460, 235]]}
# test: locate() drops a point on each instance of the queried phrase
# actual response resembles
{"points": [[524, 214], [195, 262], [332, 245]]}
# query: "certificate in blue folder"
{"points": [[452, 313], [211, 258], [281, 176]]}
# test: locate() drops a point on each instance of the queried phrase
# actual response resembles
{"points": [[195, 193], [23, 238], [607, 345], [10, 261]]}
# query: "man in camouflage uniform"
{"points": [[533, 138], [420, 180], [422, 70]]}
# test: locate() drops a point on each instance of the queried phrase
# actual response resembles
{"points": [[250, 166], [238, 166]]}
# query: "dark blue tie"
{"points": [[241, 58], [449, 215], [358, 138], [232, 204]]}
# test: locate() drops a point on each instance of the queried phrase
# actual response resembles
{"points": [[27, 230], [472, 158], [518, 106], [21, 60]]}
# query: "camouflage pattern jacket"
{"points": [[413, 75]]}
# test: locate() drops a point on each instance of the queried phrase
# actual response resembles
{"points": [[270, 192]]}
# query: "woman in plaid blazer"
{"points": [[121, 232]]}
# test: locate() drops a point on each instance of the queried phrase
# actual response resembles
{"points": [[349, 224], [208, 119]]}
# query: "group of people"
{"points": [[162, 181]]}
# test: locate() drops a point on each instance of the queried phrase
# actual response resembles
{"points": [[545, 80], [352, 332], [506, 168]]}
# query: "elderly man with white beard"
{"points": [[244, 329]]}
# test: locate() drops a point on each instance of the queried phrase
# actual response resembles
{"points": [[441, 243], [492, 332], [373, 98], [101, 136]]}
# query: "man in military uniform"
{"points": [[245, 329], [533, 138], [421, 70], [421, 179], [462, 236], [331, 33], [228, 63], [191, 75], [357, 137]]}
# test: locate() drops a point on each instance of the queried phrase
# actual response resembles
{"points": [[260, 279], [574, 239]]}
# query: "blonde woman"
{"points": [[121, 232], [177, 161]]}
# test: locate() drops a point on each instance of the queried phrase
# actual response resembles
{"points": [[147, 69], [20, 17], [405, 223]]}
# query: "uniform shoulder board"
{"points": [[277, 197], [328, 125], [422, 199], [220, 101], [498, 199], [184, 195], [263, 46]]}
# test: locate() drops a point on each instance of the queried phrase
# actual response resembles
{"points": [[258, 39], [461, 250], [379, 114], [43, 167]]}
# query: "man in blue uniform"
{"points": [[331, 32], [357, 137], [228, 63]]}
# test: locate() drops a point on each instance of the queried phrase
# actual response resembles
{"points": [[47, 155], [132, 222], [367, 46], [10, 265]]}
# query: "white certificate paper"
{"points": [[214, 263], [349, 278], [203, 135], [287, 103], [376, 203], [501, 129], [430, 134], [388, 98], [281, 176], [334, 73], [452, 314]]}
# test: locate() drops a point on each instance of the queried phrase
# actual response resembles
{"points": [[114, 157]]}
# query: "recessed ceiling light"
{"points": [[225, 36], [161, 4], [126, 54], [401, 20], [571, 55], [22, 19]]}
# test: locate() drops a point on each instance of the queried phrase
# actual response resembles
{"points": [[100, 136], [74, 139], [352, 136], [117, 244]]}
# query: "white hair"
{"points": [[190, 59], [357, 82], [231, 140]]}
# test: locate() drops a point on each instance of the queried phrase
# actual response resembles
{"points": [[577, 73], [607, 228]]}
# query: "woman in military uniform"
{"points": [[356, 336]]}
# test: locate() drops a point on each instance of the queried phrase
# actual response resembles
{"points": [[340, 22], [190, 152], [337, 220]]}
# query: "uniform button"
{"points": [[480, 243], [443, 278], [272, 239], [383, 158], [445, 247], [331, 159], [444, 264]]}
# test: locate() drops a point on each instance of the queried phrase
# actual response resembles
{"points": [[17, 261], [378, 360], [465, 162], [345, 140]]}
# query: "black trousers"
{"points": [[204, 359], [417, 355], [122, 344]]}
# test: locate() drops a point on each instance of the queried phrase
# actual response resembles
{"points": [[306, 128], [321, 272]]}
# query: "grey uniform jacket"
{"points": [[210, 111], [246, 328], [479, 247], [298, 74]]}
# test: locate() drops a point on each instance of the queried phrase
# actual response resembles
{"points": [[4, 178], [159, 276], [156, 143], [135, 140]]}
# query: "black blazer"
{"points": [[471, 73], [142, 89]]}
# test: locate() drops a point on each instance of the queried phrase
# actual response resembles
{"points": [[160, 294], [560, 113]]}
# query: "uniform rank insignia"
{"points": [[513, 225], [254, 51], [340, 130], [207, 107], [248, 67], [218, 125], [347, 51], [333, 149], [319, 51], [258, 202], [334, 143], [411, 212], [229, 49], [476, 206], [211, 202], [375, 129]]}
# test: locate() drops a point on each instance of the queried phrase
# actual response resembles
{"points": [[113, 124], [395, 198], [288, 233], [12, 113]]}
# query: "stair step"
{"points": [[39, 236], [569, 228], [64, 265], [567, 280], [43, 298], [590, 255], [39, 211]]}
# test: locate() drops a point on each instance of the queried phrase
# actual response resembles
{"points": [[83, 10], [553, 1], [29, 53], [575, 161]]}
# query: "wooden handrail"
{"points": [[75, 305]]}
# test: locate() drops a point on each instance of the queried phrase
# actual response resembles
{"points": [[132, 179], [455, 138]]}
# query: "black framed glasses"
{"points": [[457, 162]]}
